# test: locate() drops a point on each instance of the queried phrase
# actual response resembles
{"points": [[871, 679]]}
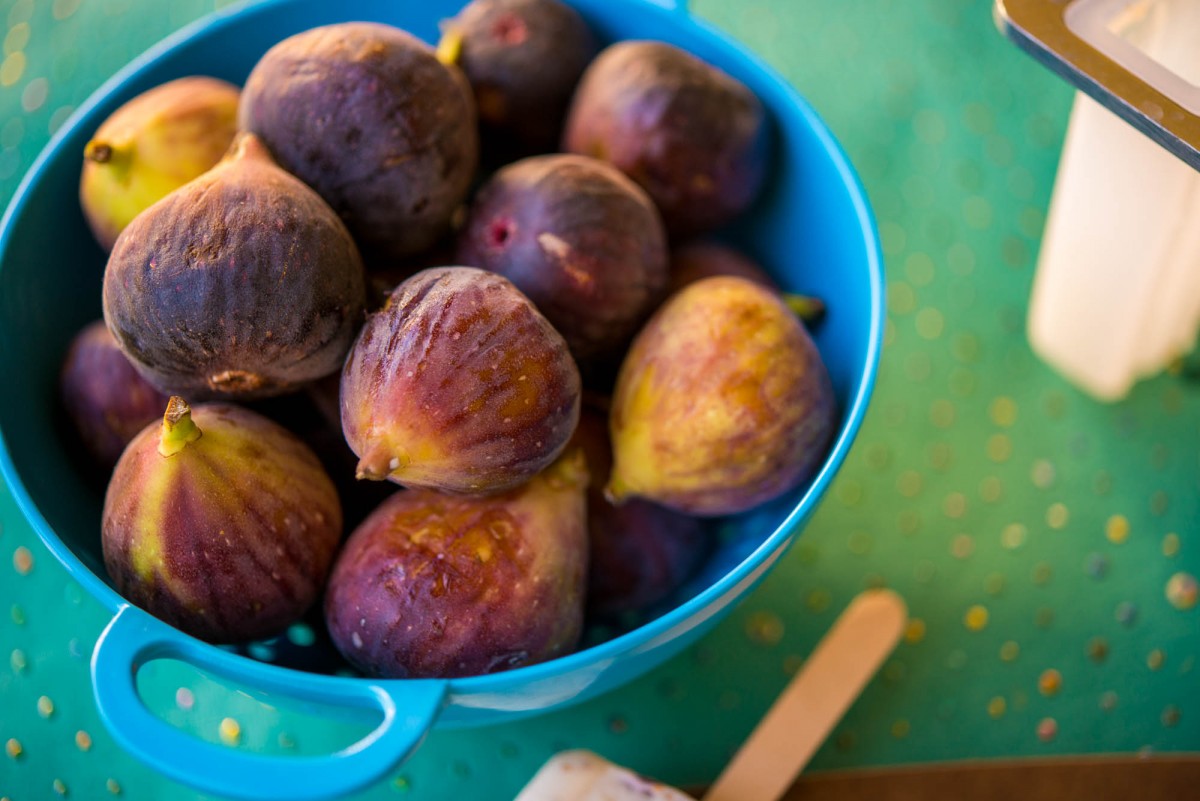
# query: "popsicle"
{"points": [[785, 739]]}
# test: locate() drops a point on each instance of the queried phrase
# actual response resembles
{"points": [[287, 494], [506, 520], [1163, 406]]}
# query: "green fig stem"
{"points": [[99, 152], [807, 308], [449, 47], [178, 429], [616, 491]]}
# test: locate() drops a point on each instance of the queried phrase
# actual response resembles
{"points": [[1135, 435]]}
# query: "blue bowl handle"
{"points": [[134, 638]]}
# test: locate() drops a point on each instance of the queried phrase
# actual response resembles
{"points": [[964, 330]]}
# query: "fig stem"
{"points": [[449, 47], [616, 491], [807, 308], [178, 429], [97, 151]]}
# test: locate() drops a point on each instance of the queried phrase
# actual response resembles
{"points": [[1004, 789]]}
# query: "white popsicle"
{"points": [[782, 743]]}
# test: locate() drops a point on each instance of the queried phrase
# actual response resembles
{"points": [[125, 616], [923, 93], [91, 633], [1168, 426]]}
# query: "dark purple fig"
{"points": [[697, 260], [523, 59], [640, 552], [104, 396], [458, 384], [240, 284], [220, 522], [367, 116], [581, 240], [440, 585], [722, 403], [692, 136]]}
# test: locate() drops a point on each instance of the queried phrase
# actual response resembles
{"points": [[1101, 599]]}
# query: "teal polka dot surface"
{"points": [[1046, 544]]}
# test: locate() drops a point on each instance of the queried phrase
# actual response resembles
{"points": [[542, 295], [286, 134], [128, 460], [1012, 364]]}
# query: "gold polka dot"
{"points": [[900, 729], [13, 748], [1155, 659], [954, 505], [1050, 682], [977, 211], [83, 740], [999, 448], [908, 522], [914, 632], [893, 237], [997, 706], [1013, 536], [965, 348], [765, 628], [1042, 474], [909, 483], [1117, 529], [60, 787], [1057, 515], [962, 546], [230, 731], [818, 600], [65, 8], [962, 382], [12, 68], [21, 11], [941, 413], [1009, 651], [1170, 545], [889, 332], [930, 323], [976, 618], [112, 786], [994, 584], [17, 38], [919, 268], [1042, 573], [45, 706], [918, 366], [849, 492], [23, 560], [961, 258], [901, 299], [941, 455], [1003, 411]]}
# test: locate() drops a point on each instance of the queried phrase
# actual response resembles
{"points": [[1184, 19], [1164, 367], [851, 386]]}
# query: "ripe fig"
{"points": [[441, 585], [722, 402], [240, 284], [458, 384], [692, 136], [639, 552], [152, 145], [523, 59], [220, 522], [366, 115], [106, 399], [581, 240]]}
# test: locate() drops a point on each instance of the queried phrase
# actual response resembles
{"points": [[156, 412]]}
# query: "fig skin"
{"points": [[703, 259], [441, 585], [722, 402], [523, 59], [152, 145], [580, 239], [639, 552], [105, 398], [692, 136], [241, 284], [366, 115], [458, 384], [220, 522]]}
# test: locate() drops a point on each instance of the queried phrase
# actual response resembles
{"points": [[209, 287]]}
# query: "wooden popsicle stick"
{"points": [[814, 700]]}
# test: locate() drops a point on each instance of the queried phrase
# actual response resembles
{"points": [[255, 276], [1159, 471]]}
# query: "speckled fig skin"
{"points": [[240, 284], [152, 145], [722, 402], [581, 240], [523, 59], [367, 116], [639, 552], [440, 585], [692, 136], [227, 534], [104, 397], [458, 384]]}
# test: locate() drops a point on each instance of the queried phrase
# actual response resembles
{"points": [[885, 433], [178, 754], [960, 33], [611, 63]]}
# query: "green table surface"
{"points": [[1032, 530]]}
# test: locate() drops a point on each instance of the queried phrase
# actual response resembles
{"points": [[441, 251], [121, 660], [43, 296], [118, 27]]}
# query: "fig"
{"points": [[581, 240], [105, 398], [702, 259], [366, 115], [240, 284], [639, 552], [523, 59], [721, 404], [458, 384], [440, 585], [152, 145], [692, 136], [220, 522]]}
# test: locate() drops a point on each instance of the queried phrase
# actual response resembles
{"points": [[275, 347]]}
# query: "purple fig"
{"points": [[220, 522], [458, 384], [441, 585], [581, 240], [104, 396]]}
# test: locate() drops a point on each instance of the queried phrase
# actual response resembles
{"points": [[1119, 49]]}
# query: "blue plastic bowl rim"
{"points": [[785, 97]]}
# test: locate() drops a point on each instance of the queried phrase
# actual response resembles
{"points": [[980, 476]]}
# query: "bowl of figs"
{"points": [[504, 345]]}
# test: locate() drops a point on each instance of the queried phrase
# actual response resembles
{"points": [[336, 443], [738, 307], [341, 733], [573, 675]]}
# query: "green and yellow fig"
{"points": [[152, 145], [722, 402], [220, 522], [437, 585]]}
